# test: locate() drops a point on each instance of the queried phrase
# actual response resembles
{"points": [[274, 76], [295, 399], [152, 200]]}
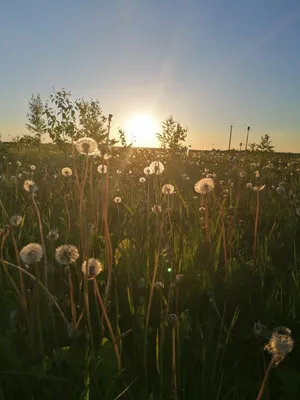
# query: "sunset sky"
{"points": [[208, 63]]}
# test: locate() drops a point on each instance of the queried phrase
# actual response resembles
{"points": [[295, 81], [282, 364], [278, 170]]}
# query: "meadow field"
{"points": [[138, 274]]}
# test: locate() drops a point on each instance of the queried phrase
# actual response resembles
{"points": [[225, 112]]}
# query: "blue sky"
{"points": [[208, 63]]}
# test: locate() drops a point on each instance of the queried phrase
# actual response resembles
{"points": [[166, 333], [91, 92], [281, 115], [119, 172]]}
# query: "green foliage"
{"points": [[207, 294], [35, 116], [173, 136], [265, 145], [91, 120]]}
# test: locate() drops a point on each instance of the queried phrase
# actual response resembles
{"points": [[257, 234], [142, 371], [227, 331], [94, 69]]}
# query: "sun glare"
{"points": [[141, 130]]}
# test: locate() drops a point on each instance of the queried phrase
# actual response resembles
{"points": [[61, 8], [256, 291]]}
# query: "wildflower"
{"points": [[202, 209], [156, 209], [204, 186], [66, 171], [31, 253], [280, 344], [257, 174], [142, 179], [280, 190], [30, 186], [106, 156], [249, 185], [18, 163], [66, 254], [261, 330], [118, 171], [117, 200], [91, 268], [258, 188], [102, 169], [86, 145], [156, 167], [178, 278], [53, 234], [15, 220], [172, 318], [159, 285], [32, 167], [147, 171], [168, 189]]}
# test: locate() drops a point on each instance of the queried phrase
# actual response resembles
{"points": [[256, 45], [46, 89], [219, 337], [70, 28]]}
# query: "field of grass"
{"points": [[169, 313]]}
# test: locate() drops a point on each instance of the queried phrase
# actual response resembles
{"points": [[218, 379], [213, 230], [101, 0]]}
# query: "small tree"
{"points": [[61, 119], [173, 136], [265, 144], [36, 123], [91, 120], [67, 121]]}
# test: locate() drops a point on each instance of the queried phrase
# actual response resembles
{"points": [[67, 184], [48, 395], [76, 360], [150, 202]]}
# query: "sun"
{"points": [[141, 130]]}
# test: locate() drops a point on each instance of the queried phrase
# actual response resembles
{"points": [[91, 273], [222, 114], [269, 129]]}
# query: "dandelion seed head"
{"points": [[86, 145], [258, 188], [280, 344], [15, 220], [117, 199], [172, 318], [53, 235], [204, 186], [66, 254], [147, 171], [142, 180], [280, 190], [168, 189], [66, 172], [91, 268], [156, 209], [102, 169], [156, 167], [31, 253], [30, 186]]}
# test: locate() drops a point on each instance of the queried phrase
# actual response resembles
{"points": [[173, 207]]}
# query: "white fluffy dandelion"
{"points": [[204, 186], [31, 253], [147, 171], [30, 186], [280, 344], [117, 199], [102, 169], [156, 167], [66, 254], [66, 172], [53, 235], [15, 220], [86, 145], [168, 189], [91, 268]]}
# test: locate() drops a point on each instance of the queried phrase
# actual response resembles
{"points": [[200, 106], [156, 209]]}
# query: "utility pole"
{"points": [[230, 135], [247, 137]]}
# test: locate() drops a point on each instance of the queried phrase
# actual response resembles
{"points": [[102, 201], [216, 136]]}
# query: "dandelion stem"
{"points": [[42, 239], [256, 225], [108, 324], [43, 286], [263, 384]]}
